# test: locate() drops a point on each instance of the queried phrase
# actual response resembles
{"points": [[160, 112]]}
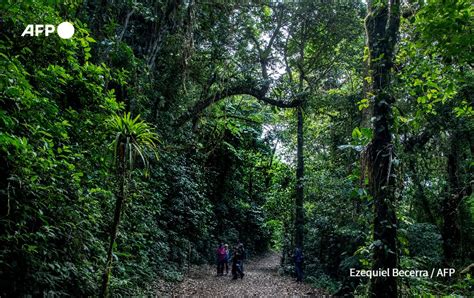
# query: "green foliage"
{"points": [[229, 172], [425, 243], [53, 178], [446, 27], [133, 137], [323, 281]]}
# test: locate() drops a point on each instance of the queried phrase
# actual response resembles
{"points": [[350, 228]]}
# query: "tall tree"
{"points": [[308, 62], [382, 24], [299, 201], [133, 138]]}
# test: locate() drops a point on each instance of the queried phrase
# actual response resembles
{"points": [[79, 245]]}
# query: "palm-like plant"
{"points": [[133, 138]]}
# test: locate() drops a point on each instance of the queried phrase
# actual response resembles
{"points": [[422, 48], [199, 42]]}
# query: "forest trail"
{"points": [[261, 279]]}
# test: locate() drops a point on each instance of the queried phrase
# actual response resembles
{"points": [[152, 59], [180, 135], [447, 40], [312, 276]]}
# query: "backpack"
{"points": [[240, 253], [243, 253]]}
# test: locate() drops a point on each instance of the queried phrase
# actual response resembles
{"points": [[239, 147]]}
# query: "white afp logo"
{"points": [[65, 30]]}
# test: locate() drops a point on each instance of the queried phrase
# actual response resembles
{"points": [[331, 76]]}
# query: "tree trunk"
{"points": [[451, 230], [299, 200], [382, 23], [119, 202]]}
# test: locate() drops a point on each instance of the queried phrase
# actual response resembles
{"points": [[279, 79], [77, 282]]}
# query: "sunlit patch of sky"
{"points": [[282, 152]]}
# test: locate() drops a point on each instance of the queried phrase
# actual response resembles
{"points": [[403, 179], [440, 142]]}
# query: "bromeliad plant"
{"points": [[133, 138]]}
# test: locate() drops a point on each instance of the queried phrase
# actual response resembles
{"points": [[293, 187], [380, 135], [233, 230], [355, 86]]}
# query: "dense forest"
{"points": [[164, 127]]}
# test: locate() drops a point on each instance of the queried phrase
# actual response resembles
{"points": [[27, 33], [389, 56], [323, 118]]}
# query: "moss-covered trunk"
{"points": [[382, 23]]}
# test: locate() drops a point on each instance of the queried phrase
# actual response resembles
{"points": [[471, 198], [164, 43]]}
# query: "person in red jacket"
{"points": [[221, 256]]}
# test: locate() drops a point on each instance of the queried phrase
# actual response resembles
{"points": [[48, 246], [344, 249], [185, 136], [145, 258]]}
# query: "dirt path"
{"points": [[261, 279]]}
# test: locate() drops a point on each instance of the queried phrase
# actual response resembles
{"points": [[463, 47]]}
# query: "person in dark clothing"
{"points": [[221, 254], [242, 254], [237, 261], [298, 258]]}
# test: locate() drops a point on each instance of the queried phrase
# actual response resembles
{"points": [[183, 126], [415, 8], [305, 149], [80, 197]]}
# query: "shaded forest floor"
{"points": [[261, 279]]}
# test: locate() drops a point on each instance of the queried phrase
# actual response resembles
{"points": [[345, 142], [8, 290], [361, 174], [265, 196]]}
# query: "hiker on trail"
{"points": [[227, 258], [221, 254], [298, 258], [243, 255], [237, 261]]}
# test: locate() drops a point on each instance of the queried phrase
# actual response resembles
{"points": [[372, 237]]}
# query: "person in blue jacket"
{"points": [[298, 258], [227, 258]]}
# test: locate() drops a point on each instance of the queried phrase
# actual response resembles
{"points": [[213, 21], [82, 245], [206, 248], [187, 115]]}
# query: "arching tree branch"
{"points": [[240, 89]]}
